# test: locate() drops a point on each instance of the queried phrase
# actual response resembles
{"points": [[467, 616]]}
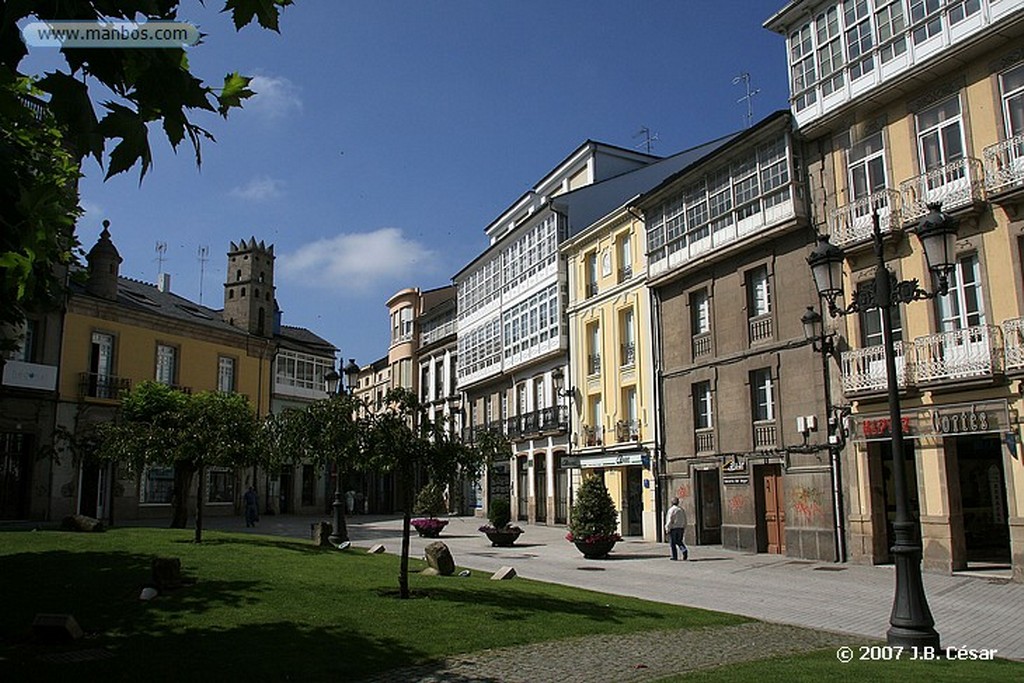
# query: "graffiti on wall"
{"points": [[683, 492], [807, 502], [737, 503]]}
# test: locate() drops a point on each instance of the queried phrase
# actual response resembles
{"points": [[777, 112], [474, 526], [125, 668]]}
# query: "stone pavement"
{"points": [[970, 611]]}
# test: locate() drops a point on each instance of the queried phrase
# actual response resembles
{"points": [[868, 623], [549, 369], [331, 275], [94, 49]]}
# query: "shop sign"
{"points": [[735, 481], [984, 417], [612, 460], [569, 461]]}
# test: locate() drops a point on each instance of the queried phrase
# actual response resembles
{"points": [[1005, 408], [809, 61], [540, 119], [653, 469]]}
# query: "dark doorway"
{"points": [[634, 501], [561, 490], [522, 490], [708, 504], [983, 499], [15, 475], [540, 480], [284, 493], [889, 491]]}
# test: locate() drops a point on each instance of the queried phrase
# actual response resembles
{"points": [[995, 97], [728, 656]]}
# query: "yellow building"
{"points": [[118, 332], [612, 408], [902, 105]]}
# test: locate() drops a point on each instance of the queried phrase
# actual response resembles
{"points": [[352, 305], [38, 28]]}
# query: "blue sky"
{"points": [[387, 134]]}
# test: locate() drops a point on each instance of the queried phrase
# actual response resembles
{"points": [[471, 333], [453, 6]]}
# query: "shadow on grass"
{"points": [[306, 548], [512, 606], [276, 651]]}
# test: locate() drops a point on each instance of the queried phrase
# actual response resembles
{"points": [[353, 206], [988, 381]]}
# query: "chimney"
{"points": [[164, 285]]}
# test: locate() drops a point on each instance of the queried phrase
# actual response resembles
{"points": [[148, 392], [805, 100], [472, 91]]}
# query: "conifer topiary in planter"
{"points": [[430, 501], [593, 522], [500, 532]]}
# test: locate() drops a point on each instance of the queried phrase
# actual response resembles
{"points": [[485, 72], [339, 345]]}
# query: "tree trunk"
{"points": [[200, 496], [179, 498], [403, 575]]}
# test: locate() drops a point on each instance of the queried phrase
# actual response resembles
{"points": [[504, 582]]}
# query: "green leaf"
{"points": [[72, 108], [236, 89], [264, 11], [130, 127]]}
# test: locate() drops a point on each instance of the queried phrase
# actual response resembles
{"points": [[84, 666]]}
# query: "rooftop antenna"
{"points": [[161, 249], [649, 138], [203, 255], [744, 78]]}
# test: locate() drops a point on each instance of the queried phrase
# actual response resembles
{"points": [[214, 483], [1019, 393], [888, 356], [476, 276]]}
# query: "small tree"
{"points": [[401, 438], [159, 425], [325, 432], [593, 516], [499, 513]]}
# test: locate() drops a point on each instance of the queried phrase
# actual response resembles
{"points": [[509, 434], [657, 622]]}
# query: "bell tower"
{"points": [[249, 290]]}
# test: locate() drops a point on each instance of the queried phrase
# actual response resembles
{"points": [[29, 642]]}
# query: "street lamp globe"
{"points": [[937, 233], [331, 378], [351, 374], [826, 262], [811, 321]]}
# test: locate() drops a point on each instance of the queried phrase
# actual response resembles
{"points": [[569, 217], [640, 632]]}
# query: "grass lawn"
{"points": [[814, 667], [275, 609]]}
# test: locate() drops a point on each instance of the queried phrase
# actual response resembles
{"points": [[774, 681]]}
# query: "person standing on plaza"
{"points": [[675, 527], [252, 509]]}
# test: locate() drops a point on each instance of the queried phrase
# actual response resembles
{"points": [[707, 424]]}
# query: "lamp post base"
{"points": [[911, 622], [337, 536]]}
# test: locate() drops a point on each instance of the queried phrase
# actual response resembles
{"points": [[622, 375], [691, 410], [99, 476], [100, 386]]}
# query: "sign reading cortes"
{"points": [[984, 417]]}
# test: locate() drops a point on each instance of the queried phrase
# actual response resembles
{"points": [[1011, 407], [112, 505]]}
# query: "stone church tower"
{"points": [[249, 291]]}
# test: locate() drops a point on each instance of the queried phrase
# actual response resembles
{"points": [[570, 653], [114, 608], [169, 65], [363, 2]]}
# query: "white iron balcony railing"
{"points": [[957, 184], [627, 430], [852, 223], [1013, 343], [864, 369], [1004, 165], [958, 354]]}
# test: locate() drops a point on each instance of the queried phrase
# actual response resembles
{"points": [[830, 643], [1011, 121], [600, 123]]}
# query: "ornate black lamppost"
{"points": [[911, 623], [333, 386]]}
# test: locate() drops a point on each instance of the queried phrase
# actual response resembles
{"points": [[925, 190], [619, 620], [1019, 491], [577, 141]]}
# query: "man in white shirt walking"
{"points": [[675, 527]]}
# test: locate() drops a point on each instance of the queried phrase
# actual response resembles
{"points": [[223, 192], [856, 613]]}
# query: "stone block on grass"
{"points": [[504, 574], [376, 549], [55, 628], [321, 532], [440, 558]]}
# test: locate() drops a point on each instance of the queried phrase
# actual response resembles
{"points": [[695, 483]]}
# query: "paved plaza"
{"points": [[974, 611]]}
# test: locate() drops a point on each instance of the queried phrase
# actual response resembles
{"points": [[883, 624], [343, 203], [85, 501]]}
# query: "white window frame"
{"points": [[226, 374], [703, 406], [763, 395], [166, 364]]}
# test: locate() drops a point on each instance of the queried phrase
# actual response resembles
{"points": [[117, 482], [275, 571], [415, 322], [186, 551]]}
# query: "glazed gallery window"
{"points": [[963, 306], [1011, 85], [220, 486], [830, 50], [762, 389], [940, 137], [759, 298], [225, 374], [702, 407], [401, 325], [166, 364], [865, 161], [301, 369], [157, 485]]}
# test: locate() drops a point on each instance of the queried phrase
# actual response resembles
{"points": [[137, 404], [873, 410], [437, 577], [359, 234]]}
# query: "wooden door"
{"points": [[774, 509]]}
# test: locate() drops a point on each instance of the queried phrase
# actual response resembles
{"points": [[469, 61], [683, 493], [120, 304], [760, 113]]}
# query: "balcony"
{"points": [[591, 289], [765, 435], [96, 385], [864, 369], [554, 419], [514, 426], [704, 440], [973, 352], [1004, 165], [956, 185], [626, 431], [531, 422], [627, 354], [1013, 344], [625, 273], [591, 436], [594, 364], [761, 328], [701, 344], [852, 223]]}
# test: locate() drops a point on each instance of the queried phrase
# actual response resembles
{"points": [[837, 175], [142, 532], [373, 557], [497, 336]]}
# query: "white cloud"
{"points": [[275, 97], [359, 261], [259, 189]]}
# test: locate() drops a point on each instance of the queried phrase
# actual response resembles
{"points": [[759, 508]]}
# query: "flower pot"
{"points": [[431, 528], [595, 550], [502, 539]]}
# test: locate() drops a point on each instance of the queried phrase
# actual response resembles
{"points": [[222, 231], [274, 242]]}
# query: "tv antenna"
{"points": [[161, 250], [202, 254], [649, 138], [744, 78]]}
